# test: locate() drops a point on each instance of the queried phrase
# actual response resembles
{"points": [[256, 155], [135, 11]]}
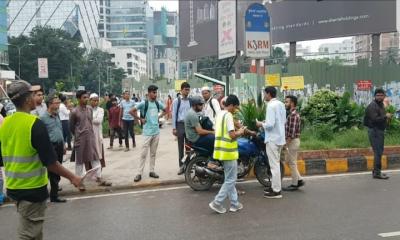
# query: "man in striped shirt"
{"points": [[292, 133]]}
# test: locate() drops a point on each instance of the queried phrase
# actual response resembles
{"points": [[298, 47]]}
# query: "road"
{"points": [[352, 206]]}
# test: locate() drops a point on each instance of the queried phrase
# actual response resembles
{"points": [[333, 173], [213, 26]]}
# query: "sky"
{"points": [[173, 5]]}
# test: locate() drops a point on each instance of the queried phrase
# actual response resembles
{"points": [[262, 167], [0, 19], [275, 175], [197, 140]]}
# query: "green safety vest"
{"points": [[22, 166], [225, 148]]}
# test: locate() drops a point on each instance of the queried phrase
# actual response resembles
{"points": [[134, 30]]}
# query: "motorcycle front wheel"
{"points": [[196, 181], [262, 171]]}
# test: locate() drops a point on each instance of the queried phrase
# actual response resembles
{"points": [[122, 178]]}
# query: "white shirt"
{"points": [[64, 112], [274, 124], [208, 111]]}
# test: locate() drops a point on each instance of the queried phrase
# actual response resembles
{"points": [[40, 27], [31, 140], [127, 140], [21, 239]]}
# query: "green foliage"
{"points": [[324, 132], [326, 107], [349, 138], [249, 112]]}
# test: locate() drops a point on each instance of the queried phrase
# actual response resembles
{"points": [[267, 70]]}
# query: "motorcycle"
{"points": [[251, 154]]}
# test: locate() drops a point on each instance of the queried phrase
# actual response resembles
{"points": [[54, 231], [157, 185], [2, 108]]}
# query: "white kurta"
{"points": [[98, 115]]}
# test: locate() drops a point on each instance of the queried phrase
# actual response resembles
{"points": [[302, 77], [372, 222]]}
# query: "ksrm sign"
{"points": [[257, 32]]}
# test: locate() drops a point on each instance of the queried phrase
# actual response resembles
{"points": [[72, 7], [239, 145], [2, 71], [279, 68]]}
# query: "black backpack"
{"points": [[146, 107], [212, 106]]}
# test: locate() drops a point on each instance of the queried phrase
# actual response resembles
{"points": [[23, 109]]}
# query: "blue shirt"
{"points": [[151, 126], [183, 109], [126, 107], [54, 127]]}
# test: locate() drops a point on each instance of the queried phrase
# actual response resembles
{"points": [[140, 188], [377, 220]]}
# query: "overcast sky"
{"points": [[173, 5]]}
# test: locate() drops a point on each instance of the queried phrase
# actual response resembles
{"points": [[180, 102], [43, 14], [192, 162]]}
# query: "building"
{"points": [[79, 17], [166, 51], [343, 51], [127, 24], [3, 35], [133, 62], [363, 44]]}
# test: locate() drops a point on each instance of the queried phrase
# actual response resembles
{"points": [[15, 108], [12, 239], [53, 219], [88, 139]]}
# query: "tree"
{"points": [[391, 56], [62, 51]]}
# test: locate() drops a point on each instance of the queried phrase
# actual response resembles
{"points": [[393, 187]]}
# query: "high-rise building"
{"points": [[343, 51], [79, 17], [3, 35], [166, 55], [363, 44], [127, 24]]}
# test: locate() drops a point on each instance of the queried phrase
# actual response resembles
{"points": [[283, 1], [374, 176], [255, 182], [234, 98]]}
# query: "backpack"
{"points": [[146, 107], [212, 106], [206, 123]]}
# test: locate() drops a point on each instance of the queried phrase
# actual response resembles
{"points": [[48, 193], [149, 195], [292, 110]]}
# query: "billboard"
{"points": [[226, 29], [43, 70], [302, 20], [291, 21], [198, 27]]}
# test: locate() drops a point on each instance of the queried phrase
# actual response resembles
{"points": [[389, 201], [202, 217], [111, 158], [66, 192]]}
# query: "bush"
{"points": [[324, 132], [326, 107]]}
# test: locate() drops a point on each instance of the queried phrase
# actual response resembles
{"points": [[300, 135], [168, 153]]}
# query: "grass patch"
{"points": [[351, 138]]}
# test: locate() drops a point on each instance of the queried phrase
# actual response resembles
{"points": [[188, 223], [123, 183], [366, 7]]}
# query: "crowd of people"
{"points": [[34, 140]]}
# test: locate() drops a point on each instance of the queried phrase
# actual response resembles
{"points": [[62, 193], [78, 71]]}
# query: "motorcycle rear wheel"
{"points": [[195, 182], [263, 173]]}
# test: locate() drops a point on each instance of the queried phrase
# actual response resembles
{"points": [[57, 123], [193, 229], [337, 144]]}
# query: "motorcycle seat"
{"points": [[200, 149]]}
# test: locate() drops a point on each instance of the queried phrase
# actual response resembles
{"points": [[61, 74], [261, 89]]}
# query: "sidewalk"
{"points": [[122, 167]]}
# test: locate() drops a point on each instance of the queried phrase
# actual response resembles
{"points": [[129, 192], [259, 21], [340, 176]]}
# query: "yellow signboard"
{"points": [[292, 83], [178, 84], [273, 80]]}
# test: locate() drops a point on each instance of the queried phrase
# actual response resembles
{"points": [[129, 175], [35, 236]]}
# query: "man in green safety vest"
{"points": [[226, 150], [26, 153]]}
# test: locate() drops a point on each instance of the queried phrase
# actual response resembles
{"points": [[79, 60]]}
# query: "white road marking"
{"points": [[389, 234], [187, 187]]}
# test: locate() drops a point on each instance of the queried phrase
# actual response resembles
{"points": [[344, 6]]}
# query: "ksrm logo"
{"points": [[257, 44]]}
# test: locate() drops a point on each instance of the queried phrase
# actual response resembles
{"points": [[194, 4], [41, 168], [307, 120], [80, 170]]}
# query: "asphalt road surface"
{"points": [[334, 207]]}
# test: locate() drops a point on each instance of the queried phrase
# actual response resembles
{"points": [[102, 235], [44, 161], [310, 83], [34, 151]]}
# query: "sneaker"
{"points": [[300, 183], [153, 175], [290, 188], [181, 170], [273, 195], [236, 208], [217, 208], [137, 178], [268, 190], [380, 176]]}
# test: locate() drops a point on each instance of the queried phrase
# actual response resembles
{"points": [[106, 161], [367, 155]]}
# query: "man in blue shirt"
{"points": [[180, 107], [127, 119], [149, 117]]}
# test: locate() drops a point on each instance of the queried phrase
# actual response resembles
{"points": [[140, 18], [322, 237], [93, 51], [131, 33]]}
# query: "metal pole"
{"points": [[99, 78], [19, 62]]}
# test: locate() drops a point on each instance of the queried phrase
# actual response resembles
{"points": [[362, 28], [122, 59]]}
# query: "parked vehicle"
{"points": [[251, 155]]}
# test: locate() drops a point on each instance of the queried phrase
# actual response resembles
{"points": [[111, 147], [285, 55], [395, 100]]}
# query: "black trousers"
{"points": [[66, 132], [181, 135], [128, 128], [377, 140], [117, 130], [54, 178]]}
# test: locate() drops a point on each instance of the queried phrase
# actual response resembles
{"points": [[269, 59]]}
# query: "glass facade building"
{"points": [[126, 23], [77, 17]]}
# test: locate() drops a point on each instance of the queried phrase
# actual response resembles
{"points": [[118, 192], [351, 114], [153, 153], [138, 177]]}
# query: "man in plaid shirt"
{"points": [[292, 134]]}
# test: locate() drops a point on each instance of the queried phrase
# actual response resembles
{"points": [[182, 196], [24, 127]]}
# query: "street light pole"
{"points": [[19, 55]]}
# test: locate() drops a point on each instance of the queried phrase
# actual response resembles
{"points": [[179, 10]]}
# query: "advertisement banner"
{"points": [[364, 85], [292, 83], [226, 29], [257, 32], [43, 68], [273, 80]]}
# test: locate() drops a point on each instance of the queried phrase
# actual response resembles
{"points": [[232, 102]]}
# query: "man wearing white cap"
{"points": [[98, 116], [211, 106]]}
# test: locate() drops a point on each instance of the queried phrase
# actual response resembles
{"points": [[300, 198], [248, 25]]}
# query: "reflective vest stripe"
{"points": [[225, 149], [21, 159], [34, 173], [224, 139]]}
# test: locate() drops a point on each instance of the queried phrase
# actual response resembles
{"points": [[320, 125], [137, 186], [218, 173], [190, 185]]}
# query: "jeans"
{"points": [[377, 140], [228, 189], [66, 132], [54, 179], [207, 142], [274, 157], [128, 128]]}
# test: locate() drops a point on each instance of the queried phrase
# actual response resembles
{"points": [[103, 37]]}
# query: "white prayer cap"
{"points": [[205, 88], [93, 95]]}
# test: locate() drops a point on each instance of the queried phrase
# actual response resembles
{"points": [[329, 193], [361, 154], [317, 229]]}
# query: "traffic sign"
{"points": [[257, 31]]}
